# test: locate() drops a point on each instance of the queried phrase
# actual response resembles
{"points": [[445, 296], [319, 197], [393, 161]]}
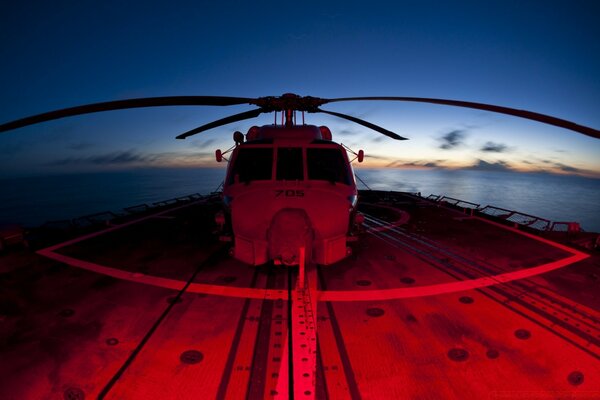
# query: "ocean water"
{"points": [[560, 198], [30, 201]]}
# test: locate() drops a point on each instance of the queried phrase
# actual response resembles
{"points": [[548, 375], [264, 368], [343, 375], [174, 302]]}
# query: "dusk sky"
{"points": [[542, 56]]}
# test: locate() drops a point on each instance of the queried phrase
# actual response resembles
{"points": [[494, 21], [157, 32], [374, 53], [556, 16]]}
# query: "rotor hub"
{"points": [[289, 101]]}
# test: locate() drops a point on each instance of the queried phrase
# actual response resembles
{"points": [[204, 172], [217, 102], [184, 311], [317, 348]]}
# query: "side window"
{"points": [[327, 164], [289, 164], [252, 164]]}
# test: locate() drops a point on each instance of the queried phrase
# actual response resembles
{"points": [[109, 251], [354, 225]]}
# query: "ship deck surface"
{"points": [[433, 303]]}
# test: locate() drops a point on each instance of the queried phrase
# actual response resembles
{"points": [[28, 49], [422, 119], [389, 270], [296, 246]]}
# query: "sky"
{"points": [[542, 56]]}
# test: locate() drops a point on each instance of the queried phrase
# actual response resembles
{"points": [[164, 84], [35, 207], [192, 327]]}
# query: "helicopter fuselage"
{"points": [[289, 188]]}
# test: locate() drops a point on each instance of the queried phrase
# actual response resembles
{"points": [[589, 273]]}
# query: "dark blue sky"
{"points": [[542, 56]]}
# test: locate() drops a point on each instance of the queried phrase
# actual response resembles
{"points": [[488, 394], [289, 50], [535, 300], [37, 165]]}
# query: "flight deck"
{"points": [[434, 302]]}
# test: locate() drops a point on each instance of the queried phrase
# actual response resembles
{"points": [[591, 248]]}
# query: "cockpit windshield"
{"points": [[322, 164], [327, 164], [289, 164], [252, 164]]}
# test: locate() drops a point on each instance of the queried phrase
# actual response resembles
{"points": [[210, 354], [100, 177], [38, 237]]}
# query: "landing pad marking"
{"points": [[327, 295], [116, 227]]}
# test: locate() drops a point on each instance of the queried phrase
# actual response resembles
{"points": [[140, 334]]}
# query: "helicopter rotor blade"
{"points": [[487, 107], [125, 104], [223, 121], [268, 104], [364, 123]]}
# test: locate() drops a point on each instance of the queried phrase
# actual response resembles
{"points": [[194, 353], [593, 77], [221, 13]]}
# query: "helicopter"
{"points": [[289, 194], [287, 188]]}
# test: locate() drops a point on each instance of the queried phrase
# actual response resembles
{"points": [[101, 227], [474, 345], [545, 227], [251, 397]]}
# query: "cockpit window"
{"points": [[252, 164], [289, 164], [327, 164]]}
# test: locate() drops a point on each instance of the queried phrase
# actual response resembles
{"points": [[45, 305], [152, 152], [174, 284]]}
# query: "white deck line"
{"points": [[328, 295]]}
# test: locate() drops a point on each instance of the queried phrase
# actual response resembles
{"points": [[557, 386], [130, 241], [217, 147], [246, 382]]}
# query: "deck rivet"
{"points": [[492, 354], [363, 282], [466, 300], [375, 312], [307, 392], [67, 312], [407, 280], [411, 318], [73, 393], [576, 378], [457, 354], [191, 357], [112, 341], [522, 334]]}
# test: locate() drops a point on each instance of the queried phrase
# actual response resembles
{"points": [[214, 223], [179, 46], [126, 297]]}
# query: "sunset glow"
{"points": [[544, 60]]}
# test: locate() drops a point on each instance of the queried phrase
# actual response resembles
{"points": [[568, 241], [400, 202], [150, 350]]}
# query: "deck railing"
{"points": [[109, 217], [515, 217], [458, 202]]}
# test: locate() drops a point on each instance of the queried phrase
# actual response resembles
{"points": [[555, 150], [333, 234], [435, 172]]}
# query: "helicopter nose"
{"points": [[290, 230]]}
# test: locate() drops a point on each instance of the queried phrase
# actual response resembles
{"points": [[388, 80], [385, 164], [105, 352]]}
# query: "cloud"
{"points": [[115, 158], [377, 157], [203, 143], [346, 132], [378, 139], [555, 167], [560, 168], [132, 158], [452, 139], [568, 168], [125, 157], [198, 154], [80, 146], [491, 147], [362, 135], [481, 165], [413, 164]]}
